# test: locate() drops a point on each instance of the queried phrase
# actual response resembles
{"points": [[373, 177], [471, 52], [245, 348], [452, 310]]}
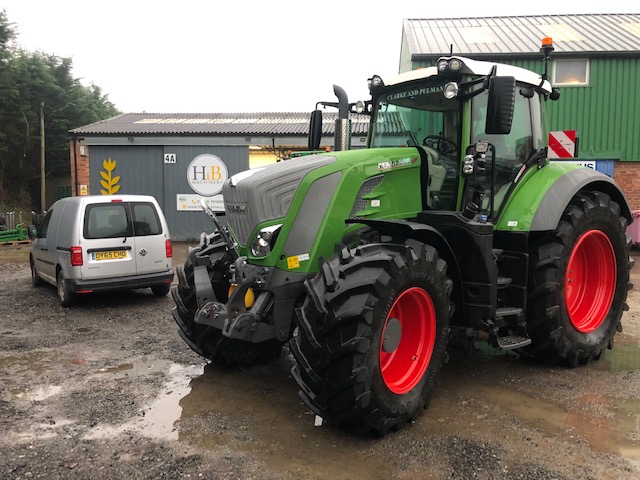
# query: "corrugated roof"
{"points": [[228, 124], [522, 35]]}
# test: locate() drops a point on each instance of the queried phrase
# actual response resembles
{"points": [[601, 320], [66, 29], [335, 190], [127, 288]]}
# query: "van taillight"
{"points": [[76, 256], [168, 248]]}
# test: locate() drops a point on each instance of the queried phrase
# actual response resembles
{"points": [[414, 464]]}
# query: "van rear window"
{"points": [[145, 219], [113, 220]]}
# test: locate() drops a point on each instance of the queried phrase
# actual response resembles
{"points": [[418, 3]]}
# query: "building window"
{"points": [[573, 72]]}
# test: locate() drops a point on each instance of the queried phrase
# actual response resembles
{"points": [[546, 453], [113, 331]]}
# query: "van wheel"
{"points": [[161, 290], [65, 295], [36, 281]]}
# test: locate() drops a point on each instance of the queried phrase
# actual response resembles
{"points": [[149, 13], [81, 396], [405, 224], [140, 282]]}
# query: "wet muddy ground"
{"points": [[107, 389]]}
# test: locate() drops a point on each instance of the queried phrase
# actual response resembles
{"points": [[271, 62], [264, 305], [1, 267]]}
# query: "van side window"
{"points": [[145, 219], [106, 220], [42, 231]]}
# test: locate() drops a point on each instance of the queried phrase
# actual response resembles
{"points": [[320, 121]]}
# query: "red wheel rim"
{"points": [[590, 281], [403, 368]]}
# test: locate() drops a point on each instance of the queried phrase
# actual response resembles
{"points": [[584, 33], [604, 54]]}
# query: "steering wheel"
{"points": [[440, 144]]}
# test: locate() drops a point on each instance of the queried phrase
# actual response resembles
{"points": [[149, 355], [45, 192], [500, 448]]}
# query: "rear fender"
{"points": [[557, 198], [542, 196]]}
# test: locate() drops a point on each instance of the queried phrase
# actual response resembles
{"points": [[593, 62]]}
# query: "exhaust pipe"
{"points": [[343, 123]]}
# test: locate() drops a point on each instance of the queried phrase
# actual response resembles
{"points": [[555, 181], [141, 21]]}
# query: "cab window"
{"points": [[507, 152]]}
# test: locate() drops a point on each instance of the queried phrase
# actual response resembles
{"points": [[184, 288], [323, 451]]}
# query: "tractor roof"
{"points": [[474, 68]]}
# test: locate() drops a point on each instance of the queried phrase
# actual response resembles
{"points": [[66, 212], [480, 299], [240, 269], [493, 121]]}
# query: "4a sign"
{"points": [[206, 174]]}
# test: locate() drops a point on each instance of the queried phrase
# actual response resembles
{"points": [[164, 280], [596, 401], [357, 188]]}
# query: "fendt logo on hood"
{"points": [[206, 174]]}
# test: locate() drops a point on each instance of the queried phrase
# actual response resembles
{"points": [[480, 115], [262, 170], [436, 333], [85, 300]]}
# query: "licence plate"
{"points": [[111, 255]]}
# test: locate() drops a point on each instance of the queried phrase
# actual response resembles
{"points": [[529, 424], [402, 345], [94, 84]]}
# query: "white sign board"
{"points": [[583, 163], [206, 174], [169, 158], [188, 202]]}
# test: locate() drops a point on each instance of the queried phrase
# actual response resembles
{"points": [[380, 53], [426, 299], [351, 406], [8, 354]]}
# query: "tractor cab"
{"points": [[475, 124]]}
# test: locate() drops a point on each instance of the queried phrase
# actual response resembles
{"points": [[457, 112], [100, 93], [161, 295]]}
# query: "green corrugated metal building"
{"points": [[595, 65]]}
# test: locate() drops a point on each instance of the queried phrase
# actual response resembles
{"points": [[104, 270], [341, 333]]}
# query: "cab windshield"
{"points": [[421, 116]]}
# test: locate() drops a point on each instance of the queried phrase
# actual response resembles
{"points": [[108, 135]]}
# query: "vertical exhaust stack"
{"points": [[343, 123]]}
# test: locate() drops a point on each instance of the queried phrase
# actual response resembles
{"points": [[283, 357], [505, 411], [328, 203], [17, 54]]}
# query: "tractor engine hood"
{"points": [[263, 194]]}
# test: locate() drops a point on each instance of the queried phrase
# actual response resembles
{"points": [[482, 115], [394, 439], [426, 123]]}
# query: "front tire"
{"points": [[205, 340], [372, 334], [579, 278]]}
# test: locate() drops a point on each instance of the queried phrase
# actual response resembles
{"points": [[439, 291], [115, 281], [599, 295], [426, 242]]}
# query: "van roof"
{"points": [[88, 199]]}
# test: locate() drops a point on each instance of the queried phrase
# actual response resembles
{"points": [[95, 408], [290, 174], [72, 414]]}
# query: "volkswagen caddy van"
{"points": [[99, 243]]}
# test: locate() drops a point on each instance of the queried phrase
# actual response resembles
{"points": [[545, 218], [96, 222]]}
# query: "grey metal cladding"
{"points": [[310, 216], [267, 194]]}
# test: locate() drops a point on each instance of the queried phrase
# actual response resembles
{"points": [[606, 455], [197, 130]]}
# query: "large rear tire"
{"points": [[579, 279], [372, 334], [203, 339]]}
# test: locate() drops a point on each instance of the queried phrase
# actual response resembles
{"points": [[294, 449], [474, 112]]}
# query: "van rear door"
{"points": [[108, 243], [150, 238]]}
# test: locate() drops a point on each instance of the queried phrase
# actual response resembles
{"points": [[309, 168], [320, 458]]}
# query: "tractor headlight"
{"points": [[264, 241], [455, 65], [450, 65], [451, 90]]}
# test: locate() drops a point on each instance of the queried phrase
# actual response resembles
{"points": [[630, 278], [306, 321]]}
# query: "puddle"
{"points": [[608, 424], [37, 363], [41, 393], [624, 356], [161, 414], [259, 412], [34, 363], [135, 368]]}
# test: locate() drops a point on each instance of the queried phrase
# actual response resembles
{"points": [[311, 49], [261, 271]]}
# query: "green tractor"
{"points": [[451, 226]]}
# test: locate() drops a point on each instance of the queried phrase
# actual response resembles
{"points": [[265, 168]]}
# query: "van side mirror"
{"points": [[32, 231], [500, 105], [315, 130]]}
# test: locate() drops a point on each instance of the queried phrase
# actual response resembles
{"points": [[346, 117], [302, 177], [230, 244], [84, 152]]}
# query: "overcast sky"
{"points": [[241, 56]]}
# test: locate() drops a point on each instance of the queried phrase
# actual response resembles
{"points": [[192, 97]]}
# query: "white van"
{"points": [[102, 242]]}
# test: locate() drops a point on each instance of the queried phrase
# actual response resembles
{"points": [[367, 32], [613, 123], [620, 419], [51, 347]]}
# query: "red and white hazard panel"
{"points": [[562, 144]]}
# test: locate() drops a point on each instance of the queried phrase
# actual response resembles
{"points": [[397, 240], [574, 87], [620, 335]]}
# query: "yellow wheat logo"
{"points": [[108, 182]]}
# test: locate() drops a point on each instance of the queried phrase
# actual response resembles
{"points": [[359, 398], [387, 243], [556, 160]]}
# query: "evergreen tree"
{"points": [[27, 79]]}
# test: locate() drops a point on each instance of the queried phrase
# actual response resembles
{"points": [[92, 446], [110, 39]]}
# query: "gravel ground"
{"points": [[107, 389]]}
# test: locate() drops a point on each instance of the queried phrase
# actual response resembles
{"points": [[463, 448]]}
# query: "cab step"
{"points": [[503, 312], [512, 342]]}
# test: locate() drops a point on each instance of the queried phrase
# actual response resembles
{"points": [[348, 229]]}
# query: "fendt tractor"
{"points": [[452, 226]]}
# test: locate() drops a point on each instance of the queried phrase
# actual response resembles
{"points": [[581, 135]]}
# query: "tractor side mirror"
{"points": [[500, 104], [315, 130]]}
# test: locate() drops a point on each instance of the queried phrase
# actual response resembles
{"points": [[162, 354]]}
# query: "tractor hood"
{"points": [[264, 194]]}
